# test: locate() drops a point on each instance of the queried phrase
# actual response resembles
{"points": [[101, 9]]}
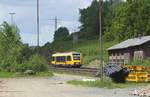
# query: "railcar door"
{"points": [[53, 62], [69, 60]]}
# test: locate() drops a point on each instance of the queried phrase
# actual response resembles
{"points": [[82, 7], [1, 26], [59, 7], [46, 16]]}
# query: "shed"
{"points": [[129, 50]]}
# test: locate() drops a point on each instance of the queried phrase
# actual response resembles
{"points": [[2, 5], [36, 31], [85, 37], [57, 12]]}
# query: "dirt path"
{"points": [[55, 86]]}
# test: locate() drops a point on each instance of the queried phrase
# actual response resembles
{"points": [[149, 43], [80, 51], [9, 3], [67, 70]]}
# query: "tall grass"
{"points": [[88, 59], [14, 75], [141, 62], [106, 83], [89, 48]]}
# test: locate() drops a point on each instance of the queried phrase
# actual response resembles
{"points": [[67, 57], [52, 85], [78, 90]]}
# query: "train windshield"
{"points": [[76, 56]]}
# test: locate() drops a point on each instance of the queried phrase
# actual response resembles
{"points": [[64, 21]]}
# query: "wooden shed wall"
{"points": [[127, 55]]}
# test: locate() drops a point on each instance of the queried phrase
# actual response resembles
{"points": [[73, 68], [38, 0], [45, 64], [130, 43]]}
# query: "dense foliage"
{"points": [[130, 20], [10, 47], [16, 56], [89, 20], [35, 63], [89, 17], [120, 20], [38, 63]]}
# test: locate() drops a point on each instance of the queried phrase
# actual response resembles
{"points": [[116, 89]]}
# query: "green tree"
{"points": [[61, 34], [132, 19], [89, 17], [10, 47], [27, 52], [47, 50], [89, 20]]}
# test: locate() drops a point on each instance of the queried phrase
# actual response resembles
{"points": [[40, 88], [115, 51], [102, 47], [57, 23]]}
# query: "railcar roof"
{"points": [[130, 43], [67, 53]]}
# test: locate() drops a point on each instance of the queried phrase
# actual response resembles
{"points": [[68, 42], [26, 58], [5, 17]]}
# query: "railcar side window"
{"points": [[63, 59], [68, 58], [57, 59], [60, 59]]}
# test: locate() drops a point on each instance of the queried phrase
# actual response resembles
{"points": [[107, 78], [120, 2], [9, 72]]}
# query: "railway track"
{"points": [[89, 71]]}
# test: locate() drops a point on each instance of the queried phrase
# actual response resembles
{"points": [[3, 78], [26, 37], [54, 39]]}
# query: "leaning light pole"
{"points": [[100, 38], [37, 25]]}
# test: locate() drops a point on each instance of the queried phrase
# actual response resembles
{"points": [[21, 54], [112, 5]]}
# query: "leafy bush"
{"points": [[141, 62], [137, 62], [147, 62], [20, 67], [38, 63], [35, 63]]}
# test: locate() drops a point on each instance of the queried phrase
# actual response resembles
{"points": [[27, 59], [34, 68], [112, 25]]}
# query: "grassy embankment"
{"points": [[106, 84], [89, 49], [14, 75]]}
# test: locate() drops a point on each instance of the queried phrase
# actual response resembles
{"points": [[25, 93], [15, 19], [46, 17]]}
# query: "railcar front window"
{"points": [[53, 59], [76, 56]]}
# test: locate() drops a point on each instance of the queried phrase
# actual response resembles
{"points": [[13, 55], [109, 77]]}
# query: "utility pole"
{"points": [[56, 22], [12, 14], [38, 26], [100, 37]]}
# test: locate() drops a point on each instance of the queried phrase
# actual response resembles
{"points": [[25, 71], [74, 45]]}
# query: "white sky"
{"points": [[25, 18]]}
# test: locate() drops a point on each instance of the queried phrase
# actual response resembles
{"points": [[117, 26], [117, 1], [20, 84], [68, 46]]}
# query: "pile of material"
{"points": [[29, 72], [94, 64], [145, 92], [116, 73]]}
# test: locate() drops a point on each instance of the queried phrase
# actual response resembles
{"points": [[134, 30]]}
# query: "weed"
{"points": [[106, 83]]}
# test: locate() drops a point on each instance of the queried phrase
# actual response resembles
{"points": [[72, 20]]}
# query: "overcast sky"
{"points": [[25, 18]]}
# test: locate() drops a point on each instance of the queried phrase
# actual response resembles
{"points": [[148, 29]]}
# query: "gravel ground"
{"points": [[55, 86]]}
